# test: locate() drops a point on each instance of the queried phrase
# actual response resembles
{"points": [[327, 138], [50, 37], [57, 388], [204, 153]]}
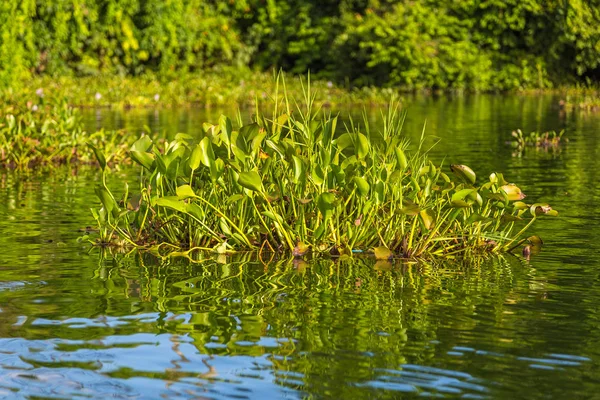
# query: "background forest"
{"points": [[439, 44]]}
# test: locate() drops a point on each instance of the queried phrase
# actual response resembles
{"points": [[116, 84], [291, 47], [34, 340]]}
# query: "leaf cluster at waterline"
{"points": [[51, 133], [293, 181]]}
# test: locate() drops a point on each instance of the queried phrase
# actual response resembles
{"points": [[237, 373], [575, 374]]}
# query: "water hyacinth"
{"points": [[292, 182], [547, 141], [52, 133]]}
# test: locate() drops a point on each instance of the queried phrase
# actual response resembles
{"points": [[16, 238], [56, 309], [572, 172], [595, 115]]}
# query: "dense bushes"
{"points": [[477, 44]]}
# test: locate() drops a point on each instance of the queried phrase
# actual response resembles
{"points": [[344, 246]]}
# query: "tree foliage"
{"points": [[475, 44]]}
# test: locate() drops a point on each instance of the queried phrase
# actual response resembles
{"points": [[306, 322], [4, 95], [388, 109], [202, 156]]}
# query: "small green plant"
{"points": [[550, 140], [290, 181]]}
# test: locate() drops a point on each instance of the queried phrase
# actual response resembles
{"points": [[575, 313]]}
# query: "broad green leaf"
{"points": [[325, 203], [185, 192], [146, 160], [476, 218], [195, 157], [207, 156], [299, 169], [401, 158], [410, 209], [513, 192], [317, 175], [250, 180], [362, 185], [172, 202], [383, 253], [108, 201], [143, 144], [234, 198], [226, 129], [379, 192], [362, 145], [462, 194], [427, 219], [463, 172], [343, 141]]}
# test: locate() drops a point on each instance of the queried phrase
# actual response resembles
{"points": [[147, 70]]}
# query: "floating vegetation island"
{"points": [[52, 133], [547, 141], [292, 181]]}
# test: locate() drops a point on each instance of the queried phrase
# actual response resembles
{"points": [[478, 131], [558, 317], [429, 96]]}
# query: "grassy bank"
{"points": [[290, 181], [225, 87], [230, 87]]}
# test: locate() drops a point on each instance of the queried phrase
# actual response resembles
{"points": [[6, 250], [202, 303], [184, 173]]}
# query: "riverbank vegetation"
{"points": [[229, 87], [290, 181], [476, 45]]}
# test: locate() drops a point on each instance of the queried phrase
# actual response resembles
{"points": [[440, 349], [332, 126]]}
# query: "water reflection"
{"points": [[325, 327]]}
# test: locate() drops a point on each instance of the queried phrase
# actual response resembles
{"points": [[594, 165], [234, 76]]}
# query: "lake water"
{"points": [[76, 324]]}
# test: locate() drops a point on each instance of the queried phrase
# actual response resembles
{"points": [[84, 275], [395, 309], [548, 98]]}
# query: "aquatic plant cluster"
{"points": [[291, 181], [542, 140], [50, 133]]}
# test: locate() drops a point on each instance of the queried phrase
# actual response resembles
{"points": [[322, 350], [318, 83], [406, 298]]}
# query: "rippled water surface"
{"points": [[76, 324]]}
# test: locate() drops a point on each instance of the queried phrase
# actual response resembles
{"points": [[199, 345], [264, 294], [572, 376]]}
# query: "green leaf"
{"points": [[195, 157], [185, 192], [207, 156], [143, 144], [108, 201], [379, 191], [146, 160], [172, 202], [325, 203], [464, 173], [401, 158], [513, 192], [99, 156], [462, 194], [317, 175], [343, 141], [299, 169], [427, 219], [226, 129], [250, 180], [410, 209], [362, 145], [383, 253], [476, 218], [362, 185]]}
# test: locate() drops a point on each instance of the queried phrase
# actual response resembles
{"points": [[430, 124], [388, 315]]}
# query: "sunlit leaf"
{"points": [[383, 253], [185, 192], [513, 192], [250, 180], [463, 172], [362, 185]]}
